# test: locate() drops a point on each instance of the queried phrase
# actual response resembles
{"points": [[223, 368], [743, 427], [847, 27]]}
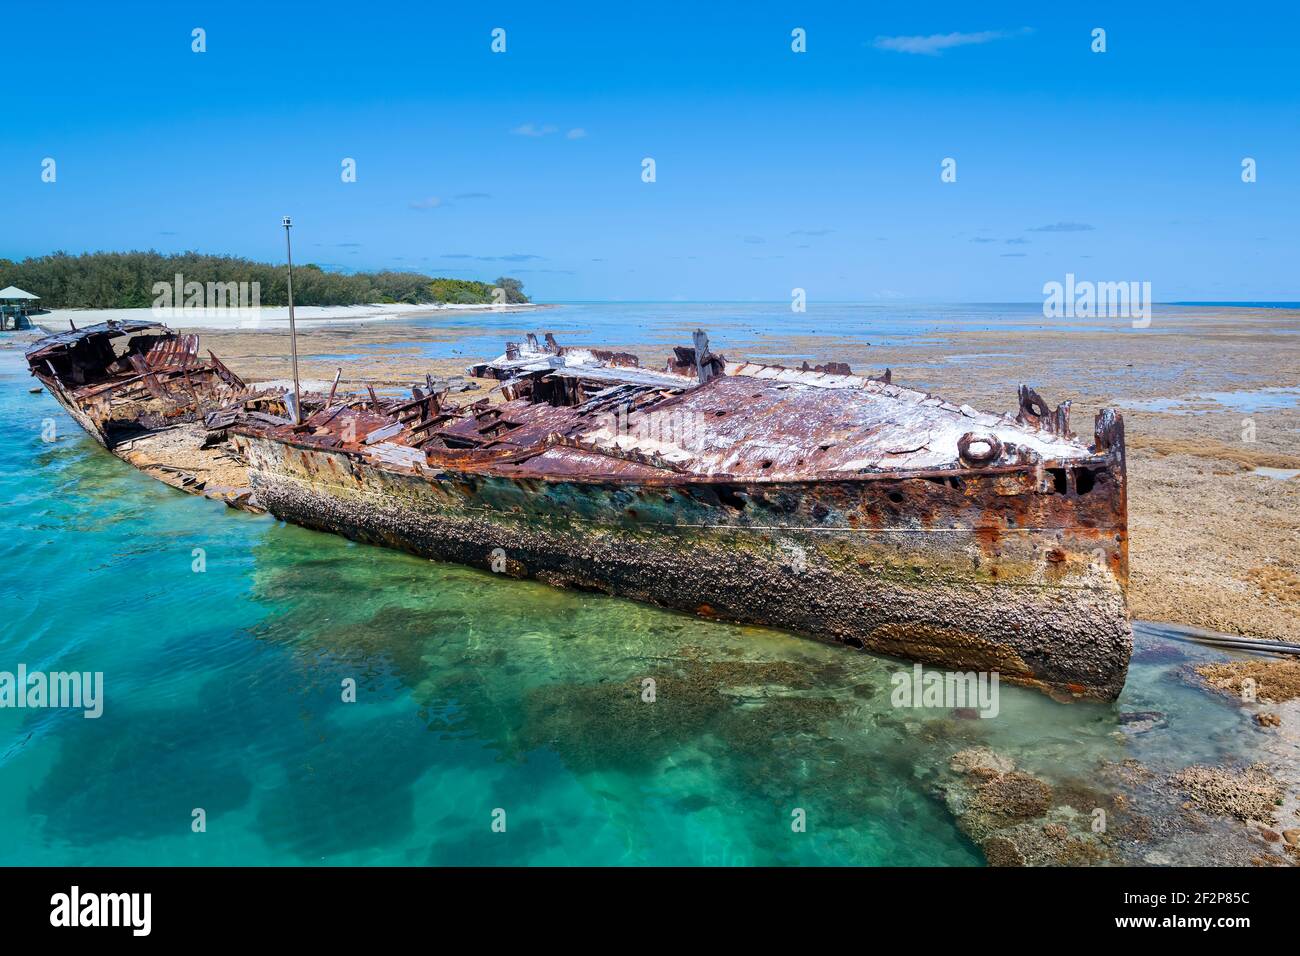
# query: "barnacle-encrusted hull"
{"points": [[992, 576]]}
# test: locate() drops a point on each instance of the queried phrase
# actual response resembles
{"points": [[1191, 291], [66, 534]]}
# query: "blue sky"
{"points": [[775, 170]]}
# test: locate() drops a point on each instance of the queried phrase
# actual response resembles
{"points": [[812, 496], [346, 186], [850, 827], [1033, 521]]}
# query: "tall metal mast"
{"points": [[293, 330]]}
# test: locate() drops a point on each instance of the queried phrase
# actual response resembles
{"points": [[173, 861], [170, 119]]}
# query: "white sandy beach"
{"points": [[262, 318]]}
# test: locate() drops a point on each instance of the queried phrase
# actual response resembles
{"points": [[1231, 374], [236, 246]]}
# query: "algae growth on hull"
{"points": [[223, 691], [961, 598]]}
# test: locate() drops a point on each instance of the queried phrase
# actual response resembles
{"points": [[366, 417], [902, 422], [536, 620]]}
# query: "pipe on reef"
{"points": [[1197, 636]]}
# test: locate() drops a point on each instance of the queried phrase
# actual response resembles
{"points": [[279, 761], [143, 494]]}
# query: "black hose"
{"points": [[1198, 636]]}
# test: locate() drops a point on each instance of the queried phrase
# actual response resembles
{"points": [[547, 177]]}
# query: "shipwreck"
{"points": [[840, 506]]}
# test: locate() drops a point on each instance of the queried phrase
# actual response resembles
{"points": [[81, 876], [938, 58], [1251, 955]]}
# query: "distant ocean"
{"points": [[746, 327], [1240, 305]]}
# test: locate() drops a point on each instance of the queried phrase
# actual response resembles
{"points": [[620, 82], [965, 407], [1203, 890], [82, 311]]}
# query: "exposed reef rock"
{"points": [[1126, 814], [1252, 795], [1016, 818], [1274, 681]]}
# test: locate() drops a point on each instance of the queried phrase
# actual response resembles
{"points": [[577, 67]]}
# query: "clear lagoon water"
{"points": [[223, 692]]}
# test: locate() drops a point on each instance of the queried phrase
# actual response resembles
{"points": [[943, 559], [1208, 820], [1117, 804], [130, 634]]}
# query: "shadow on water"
{"points": [[137, 777]]}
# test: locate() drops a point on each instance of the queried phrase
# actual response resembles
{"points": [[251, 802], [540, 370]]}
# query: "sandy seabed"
{"points": [[263, 319]]}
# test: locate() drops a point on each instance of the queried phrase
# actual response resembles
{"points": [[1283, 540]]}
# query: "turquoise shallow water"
{"points": [[475, 693]]}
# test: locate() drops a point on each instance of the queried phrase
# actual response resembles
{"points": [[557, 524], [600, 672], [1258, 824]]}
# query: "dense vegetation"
{"points": [[125, 280]]}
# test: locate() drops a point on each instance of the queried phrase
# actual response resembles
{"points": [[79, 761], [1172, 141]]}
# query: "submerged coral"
{"points": [[619, 724], [1248, 795], [1016, 818]]}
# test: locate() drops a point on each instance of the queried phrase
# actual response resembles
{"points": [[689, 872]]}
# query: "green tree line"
{"points": [[125, 280]]}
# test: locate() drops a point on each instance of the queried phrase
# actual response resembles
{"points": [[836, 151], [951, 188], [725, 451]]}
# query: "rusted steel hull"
{"points": [[88, 424], [989, 572], [844, 507], [142, 392]]}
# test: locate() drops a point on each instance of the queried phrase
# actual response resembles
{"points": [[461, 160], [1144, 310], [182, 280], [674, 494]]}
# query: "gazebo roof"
{"points": [[13, 292]]}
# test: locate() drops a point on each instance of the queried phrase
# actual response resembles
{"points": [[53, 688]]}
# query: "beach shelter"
{"points": [[14, 303]]}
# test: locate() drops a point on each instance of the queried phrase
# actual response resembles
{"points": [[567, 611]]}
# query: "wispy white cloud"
{"points": [[1063, 227], [513, 257], [935, 43], [538, 130], [533, 129]]}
